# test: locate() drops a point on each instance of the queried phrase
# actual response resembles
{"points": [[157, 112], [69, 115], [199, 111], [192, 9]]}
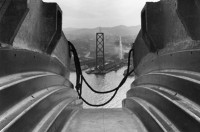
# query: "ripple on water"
{"points": [[104, 83]]}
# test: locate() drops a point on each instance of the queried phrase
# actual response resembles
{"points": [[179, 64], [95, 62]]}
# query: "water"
{"points": [[104, 83]]}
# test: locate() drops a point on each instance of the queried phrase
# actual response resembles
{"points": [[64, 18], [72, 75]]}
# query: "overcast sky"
{"points": [[104, 13]]}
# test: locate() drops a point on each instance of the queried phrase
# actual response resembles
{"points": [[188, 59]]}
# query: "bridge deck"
{"points": [[104, 120]]}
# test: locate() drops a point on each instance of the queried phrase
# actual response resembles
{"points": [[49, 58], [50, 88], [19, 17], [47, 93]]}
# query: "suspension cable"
{"points": [[80, 78]]}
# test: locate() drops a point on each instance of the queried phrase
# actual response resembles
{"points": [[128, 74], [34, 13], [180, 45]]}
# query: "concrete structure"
{"points": [[41, 28], [35, 93], [12, 14], [165, 94], [105, 120]]}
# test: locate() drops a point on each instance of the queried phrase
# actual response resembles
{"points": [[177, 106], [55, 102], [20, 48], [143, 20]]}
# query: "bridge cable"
{"points": [[80, 78]]}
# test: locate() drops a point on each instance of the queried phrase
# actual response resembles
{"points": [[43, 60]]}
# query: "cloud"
{"points": [[94, 13]]}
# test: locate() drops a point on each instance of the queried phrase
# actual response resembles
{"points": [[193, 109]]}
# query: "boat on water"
{"points": [[37, 96]]}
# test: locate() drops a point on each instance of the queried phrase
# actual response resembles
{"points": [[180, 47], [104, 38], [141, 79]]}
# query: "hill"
{"points": [[84, 39], [108, 31]]}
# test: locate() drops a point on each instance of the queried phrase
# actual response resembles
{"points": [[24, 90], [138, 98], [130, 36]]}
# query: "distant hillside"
{"points": [[73, 33], [85, 40]]}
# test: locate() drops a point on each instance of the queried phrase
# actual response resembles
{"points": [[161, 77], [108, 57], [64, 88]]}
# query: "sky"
{"points": [[100, 13]]}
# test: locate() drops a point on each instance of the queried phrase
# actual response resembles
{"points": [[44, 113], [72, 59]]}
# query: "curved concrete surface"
{"points": [[104, 120]]}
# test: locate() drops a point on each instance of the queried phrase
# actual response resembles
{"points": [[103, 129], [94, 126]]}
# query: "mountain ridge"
{"points": [[120, 30], [73, 28], [84, 39]]}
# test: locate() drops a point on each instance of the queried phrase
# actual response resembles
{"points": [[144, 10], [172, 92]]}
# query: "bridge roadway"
{"points": [[104, 120]]}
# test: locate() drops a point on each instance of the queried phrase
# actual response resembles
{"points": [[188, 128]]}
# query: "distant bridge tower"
{"points": [[100, 51], [120, 49]]}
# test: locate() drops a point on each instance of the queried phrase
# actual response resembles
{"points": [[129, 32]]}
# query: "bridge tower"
{"points": [[100, 51]]}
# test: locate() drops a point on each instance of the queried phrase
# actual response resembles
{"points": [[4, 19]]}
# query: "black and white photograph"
{"points": [[99, 65]]}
